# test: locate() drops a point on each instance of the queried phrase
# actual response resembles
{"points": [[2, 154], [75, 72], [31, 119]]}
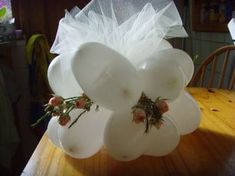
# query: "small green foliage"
{"points": [[3, 11], [195, 58]]}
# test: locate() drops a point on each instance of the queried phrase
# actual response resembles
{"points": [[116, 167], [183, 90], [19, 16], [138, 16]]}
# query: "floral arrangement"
{"points": [[144, 111], [130, 79], [58, 106]]}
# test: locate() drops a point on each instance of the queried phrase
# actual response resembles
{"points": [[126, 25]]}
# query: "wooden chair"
{"points": [[212, 59]]}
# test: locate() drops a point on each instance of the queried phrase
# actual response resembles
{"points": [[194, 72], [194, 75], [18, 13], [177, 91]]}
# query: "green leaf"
{"points": [[3, 11]]}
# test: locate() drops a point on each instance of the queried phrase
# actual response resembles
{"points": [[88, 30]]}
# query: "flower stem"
{"points": [[70, 109], [77, 118], [147, 125], [40, 119]]}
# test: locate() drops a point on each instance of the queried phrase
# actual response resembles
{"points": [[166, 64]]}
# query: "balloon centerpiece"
{"points": [[115, 55]]}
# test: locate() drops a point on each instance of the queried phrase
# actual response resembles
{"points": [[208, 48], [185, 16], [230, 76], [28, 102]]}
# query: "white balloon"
{"points": [[186, 113], [106, 77], [162, 141], [85, 137], [52, 131], [124, 139], [163, 44], [62, 81], [179, 58], [160, 78]]}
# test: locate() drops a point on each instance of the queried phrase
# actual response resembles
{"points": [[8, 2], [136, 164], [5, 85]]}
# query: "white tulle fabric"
{"points": [[112, 50], [134, 28]]}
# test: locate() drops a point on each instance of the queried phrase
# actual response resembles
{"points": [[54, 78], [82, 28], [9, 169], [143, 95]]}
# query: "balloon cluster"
{"points": [[113, 83], [115, 64]]}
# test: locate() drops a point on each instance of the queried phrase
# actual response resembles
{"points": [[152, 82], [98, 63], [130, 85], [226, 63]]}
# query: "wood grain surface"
{"points": [[210, 150]]}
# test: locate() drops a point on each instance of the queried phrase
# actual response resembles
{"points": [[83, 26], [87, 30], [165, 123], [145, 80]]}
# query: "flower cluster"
{"points": [[145, 110], [149, 111], [58, 106]]}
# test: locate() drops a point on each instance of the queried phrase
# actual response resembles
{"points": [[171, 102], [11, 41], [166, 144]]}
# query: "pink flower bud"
{"points": [[55, 101], [139, 115], [162, 106], [80, 104], [159, 124], [55, 114], [63, 120]]}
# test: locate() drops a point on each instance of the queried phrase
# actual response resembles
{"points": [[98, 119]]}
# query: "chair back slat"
{"points": [[202, 76], [232, 81], [224, 69], [213, 69]]}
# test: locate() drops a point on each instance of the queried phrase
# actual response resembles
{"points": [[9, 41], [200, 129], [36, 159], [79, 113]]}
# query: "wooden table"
{"points": [[210, 150]]}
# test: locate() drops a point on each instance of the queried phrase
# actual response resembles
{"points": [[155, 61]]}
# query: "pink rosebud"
{"points": [[162, 106], [55, 101], [159, 124], [55, 114], [139, 115], [80, 104], [63, 120]]}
